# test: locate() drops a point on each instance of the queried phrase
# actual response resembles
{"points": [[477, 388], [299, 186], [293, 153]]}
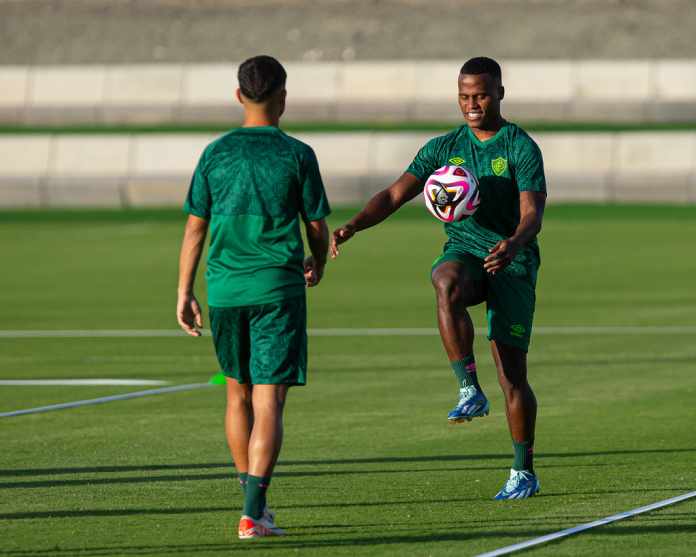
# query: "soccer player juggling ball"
{"points": [[252, 187], [492, 256]]}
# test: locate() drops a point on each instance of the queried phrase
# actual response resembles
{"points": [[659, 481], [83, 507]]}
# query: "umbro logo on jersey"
{"points": [[457, 160], [499, 166]]}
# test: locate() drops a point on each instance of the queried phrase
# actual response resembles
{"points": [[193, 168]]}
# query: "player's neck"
{"points": [[488, 130], [253, 119]]}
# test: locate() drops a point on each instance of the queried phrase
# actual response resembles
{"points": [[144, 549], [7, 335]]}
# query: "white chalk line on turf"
{"points": [[356, 331], [78, 382], [104, 399], [581, 528]]}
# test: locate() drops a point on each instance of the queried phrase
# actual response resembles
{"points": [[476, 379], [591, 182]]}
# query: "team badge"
{"points": [[499, 166], [517, 330], [457, 160]]}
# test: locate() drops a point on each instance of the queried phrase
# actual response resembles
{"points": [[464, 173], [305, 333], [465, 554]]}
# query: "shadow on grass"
{"points": [[278, 474], [93, 513], [230, 475], [288, 543], [195, 510], [325, 462]]}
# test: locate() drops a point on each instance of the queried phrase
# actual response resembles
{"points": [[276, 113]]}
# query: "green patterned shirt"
{"points": [[254, 185], [505, 165]]}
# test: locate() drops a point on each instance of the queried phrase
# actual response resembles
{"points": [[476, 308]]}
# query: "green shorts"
{"points": [[510, 296], [262, 344]]}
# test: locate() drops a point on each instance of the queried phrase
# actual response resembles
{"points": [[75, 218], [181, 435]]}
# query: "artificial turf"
{"points": [[369, 466]]}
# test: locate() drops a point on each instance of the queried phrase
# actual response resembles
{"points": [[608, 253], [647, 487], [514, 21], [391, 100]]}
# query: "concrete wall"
{"points": [[579, 90], [154, 169]]}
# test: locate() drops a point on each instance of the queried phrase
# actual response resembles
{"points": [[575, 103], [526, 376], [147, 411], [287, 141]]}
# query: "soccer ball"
{"points": [[451, 193]]}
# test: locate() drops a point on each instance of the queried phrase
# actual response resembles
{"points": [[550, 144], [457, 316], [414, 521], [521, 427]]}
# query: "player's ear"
{"points": [[283, 95], [501, 92], [238, 94]]}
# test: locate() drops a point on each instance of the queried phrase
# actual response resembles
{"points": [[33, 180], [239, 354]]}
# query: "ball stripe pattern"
{"points": [[451, 193]]}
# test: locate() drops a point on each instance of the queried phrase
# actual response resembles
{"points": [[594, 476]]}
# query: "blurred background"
{"points": [[110, 103]]}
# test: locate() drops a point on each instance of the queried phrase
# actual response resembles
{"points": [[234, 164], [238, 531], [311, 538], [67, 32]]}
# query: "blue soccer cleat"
{"points": [[472, 404], [520, 485]]}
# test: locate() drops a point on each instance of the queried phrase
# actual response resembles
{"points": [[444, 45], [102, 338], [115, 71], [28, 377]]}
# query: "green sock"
{"points": [[465, 370], [524, 456], [243, 481], [255, 496]]}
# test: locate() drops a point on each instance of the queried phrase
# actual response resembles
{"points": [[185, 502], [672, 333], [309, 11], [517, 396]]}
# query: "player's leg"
{"points": [[455, 291], [265, 442], [279, 359], [238, 423], [459, 284], [521, 411], [230, 330], [268, 402], [520, 402], [510, 315]]}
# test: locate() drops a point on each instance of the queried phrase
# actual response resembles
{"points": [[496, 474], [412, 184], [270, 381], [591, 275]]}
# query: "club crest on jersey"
{"points": [[499, 166], [457, 160]]}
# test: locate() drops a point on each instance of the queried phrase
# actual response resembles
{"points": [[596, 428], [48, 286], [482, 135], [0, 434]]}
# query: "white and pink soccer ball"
{"points": [[451, 193]]}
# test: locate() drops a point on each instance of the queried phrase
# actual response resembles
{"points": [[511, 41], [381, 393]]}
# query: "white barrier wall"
{"points": [[651, 90], [154, 169]]}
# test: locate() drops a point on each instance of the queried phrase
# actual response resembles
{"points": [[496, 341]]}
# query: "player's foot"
{"points": [[268, 514], [264, 526], [520, 485], [268, 519], [472, 404]]}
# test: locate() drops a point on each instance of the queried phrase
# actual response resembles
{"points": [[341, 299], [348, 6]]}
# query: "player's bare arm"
{"points": [[188, 310], [318, 240], [378, 208], [531, 214]]}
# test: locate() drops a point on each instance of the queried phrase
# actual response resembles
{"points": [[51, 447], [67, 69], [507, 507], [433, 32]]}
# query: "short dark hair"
{"points": [[481, 65], [260, 77]]}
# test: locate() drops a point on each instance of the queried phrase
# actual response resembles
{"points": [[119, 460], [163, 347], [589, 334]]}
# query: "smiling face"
{"points": [[479, 101]]}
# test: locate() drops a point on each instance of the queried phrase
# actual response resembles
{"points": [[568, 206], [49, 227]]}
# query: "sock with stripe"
{"points": [[524, 456], [255, 496], [465, 371], [243, 481]]}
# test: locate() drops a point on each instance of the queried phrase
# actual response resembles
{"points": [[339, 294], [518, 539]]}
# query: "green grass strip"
{"points": [[564, 212], [342, 127]]}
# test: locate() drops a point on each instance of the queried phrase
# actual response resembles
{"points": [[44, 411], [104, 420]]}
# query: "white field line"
{"points": [[104, 399], [78, 382], [581, 528], [93, 333], [354, 331]]}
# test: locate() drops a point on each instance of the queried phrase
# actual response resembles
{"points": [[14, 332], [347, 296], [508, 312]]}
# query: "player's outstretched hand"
{"points": [[500, 256], [339, 236], [188, 314], [312, 271]]}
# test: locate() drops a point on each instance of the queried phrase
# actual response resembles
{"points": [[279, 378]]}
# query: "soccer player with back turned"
{"points": [[492, 256], [252, 187]]}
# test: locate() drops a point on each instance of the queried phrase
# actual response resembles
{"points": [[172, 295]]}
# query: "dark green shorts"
{"points": [[263, 344], [510, 296]]}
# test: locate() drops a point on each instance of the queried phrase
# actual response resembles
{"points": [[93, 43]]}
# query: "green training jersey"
{"points": [[253, 185], [505, 165]]}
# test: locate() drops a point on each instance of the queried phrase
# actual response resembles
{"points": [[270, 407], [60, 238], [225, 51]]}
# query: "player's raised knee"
{"points": [[446, 285]]}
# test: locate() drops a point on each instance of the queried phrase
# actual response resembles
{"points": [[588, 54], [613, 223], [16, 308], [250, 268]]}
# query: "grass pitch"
{"points": [[369, 466]]}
